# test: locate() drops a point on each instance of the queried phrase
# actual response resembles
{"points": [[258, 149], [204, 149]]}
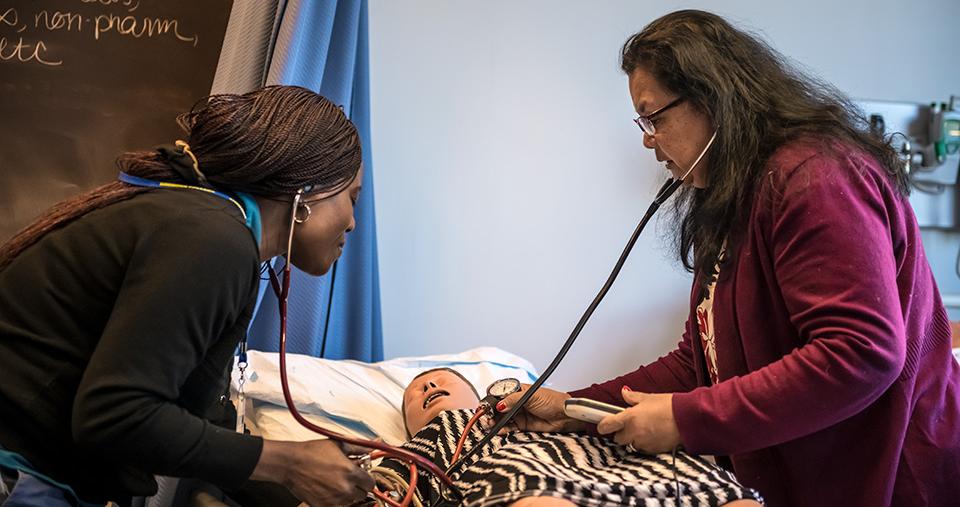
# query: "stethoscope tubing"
{"points": [[282, 290]]}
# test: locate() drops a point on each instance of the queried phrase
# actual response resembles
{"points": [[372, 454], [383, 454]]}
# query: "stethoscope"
{"points": [[497, 391], [668, 189], [281, 288]]}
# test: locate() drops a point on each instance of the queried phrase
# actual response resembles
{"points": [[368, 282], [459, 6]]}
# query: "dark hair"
{"points": [[757, 102], [403, 404], [269, 142]]}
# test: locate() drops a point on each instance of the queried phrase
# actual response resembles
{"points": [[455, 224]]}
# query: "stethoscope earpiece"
{"points": [[298, 205]]}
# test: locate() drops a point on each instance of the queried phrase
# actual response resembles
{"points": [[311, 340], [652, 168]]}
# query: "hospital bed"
{"points": [[351, 397]]}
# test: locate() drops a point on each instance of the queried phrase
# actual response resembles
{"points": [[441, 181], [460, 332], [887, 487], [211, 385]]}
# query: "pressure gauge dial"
{"points": [[503, 388]]}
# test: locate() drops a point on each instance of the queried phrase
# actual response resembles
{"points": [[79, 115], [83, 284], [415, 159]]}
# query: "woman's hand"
{"points": [[316, 472], [648, 424], [542, 412]]}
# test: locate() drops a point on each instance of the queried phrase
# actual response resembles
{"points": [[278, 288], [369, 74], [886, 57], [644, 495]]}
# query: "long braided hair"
{"points": [[757, 102], [270, 142]]}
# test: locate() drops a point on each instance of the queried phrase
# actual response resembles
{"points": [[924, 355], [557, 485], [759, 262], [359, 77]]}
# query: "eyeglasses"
{"points": [[646, 122]]}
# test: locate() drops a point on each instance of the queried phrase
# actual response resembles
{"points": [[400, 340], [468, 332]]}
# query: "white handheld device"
{"points": [[589, 411]]}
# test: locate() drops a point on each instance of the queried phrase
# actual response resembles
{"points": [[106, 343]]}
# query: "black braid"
{"points": [[270, 142], [274, 141]]}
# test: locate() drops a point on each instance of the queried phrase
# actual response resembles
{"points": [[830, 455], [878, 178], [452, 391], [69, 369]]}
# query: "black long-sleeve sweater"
{"points": [[116, 335]]}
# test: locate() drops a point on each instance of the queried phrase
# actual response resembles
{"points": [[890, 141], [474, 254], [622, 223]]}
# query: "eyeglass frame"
{"points": [[639, 120]]}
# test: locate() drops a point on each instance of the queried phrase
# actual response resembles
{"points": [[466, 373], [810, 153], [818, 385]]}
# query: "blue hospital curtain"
{"points": [[322, 45]]}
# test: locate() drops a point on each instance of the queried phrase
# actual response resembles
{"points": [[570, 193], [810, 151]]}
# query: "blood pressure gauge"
{"points": [[499, 390], [503, 388]]}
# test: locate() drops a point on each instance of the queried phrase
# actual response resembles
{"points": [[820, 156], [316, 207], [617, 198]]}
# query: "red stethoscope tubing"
{"points": [[482, 409], [282, 289]]}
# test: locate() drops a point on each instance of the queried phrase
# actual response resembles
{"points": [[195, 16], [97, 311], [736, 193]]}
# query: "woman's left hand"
{"points": [[648, 424]]}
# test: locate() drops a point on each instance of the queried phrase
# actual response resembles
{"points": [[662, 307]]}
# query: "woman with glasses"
{"points": [[816, 356], [121, 309]]}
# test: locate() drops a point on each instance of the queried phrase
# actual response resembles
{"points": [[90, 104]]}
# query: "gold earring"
{"points": [[306, 217]]}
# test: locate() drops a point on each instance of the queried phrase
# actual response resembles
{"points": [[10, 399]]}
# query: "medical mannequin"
{"points": [[543, 469]]}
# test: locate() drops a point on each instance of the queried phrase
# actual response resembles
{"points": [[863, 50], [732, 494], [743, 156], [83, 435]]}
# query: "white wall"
{"points": [[509, 174]]}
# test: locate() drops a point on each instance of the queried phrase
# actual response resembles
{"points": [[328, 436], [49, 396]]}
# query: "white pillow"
{"points": [[356, 398]]}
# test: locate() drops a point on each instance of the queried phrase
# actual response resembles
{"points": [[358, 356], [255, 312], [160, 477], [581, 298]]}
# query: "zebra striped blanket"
{"points": [[586, 470]]}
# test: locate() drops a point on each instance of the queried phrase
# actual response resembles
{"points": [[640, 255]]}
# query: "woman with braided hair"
{"points": [[121, 308]]}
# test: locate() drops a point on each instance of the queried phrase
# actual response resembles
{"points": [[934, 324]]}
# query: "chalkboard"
{"points": [[84, 80]]}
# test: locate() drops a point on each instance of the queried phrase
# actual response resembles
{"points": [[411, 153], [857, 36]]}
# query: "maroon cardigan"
{"points": [[837, 383]]}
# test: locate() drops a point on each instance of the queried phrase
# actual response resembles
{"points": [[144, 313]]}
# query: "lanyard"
{"points": [[144, 182], [249, 208], [251, 216]]}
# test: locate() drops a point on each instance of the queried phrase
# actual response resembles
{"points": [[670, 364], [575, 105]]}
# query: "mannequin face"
{"points": [[682, 131], [318, 242], [433, 392]]}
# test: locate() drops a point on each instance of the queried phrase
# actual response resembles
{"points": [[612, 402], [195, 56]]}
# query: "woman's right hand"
{"points": [[542, 412], [316, 472]]}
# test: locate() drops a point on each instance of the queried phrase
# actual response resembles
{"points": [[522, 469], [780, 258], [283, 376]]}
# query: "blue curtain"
{"points": [[322, 45]]}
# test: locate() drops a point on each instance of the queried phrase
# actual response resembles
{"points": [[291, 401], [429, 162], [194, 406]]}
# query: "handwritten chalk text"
{"points": [[58, 21], [21, 51], [131, 5], [139, 27]]}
